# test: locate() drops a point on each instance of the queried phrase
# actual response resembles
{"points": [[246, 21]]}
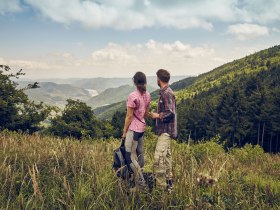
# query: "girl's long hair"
{"points": [[140, 81]]}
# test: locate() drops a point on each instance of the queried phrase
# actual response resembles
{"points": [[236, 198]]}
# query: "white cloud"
{"points": [[180, 58], [277, 30], [247, 31], [113, 53], [123, 60], [9, 6], [118, 60], [54, 64], [149, 52], [260, 11], [134, 14], [24, 64]]}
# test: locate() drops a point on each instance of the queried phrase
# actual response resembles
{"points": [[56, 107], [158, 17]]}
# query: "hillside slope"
{"points": [[106, 112], [40, 172], [227, 73], [239, 101], [113, 95]]}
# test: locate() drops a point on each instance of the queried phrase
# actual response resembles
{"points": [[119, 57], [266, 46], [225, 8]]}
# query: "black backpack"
{"points": [[120, 165]]}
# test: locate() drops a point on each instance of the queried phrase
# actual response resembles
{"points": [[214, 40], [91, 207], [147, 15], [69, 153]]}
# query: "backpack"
{"points": [[124, 172], [119, 164]]}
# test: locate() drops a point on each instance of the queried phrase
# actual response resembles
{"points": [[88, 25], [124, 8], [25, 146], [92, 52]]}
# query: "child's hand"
{"points": [[154, 115], [123, 136]]}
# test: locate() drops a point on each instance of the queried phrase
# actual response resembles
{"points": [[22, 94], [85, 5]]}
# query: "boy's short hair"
{"points": [[163, 75]]}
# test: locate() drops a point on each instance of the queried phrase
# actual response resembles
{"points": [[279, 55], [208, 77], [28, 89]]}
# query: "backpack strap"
{"points": [[138, 118]]}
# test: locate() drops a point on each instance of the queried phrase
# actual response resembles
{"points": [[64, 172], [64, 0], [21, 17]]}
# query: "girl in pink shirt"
{"points": [[138, 103]]}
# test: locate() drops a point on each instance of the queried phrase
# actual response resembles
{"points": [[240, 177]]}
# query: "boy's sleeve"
{"points": [[168, 114]]}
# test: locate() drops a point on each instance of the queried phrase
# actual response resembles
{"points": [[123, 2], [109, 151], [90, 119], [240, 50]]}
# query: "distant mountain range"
{"points": [[95, 92], [100, 84], [56, 94]]}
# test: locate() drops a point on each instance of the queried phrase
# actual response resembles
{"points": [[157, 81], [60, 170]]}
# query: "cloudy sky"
{"points": [[116, 38]]}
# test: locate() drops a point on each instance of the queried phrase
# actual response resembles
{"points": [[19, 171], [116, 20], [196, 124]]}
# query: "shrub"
{"points": [[248, 153], [207, 149]]}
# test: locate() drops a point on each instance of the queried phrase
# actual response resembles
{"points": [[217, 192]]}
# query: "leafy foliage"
{"points": [[78, 121], [16, 111], [118, 123]]}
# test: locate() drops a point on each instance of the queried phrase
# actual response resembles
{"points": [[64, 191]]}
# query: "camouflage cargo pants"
{"points": [[163, 161]]}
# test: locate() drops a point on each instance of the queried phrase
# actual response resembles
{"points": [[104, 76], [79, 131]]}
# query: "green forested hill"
{"points": [[240, 101], [106, 112], [227, 73]]}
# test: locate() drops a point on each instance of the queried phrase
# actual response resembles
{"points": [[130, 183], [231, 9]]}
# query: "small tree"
{"points": [[118, 123], [78, 120], [17, 112]]}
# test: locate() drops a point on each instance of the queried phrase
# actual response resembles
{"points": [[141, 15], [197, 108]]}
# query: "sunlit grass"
{"points": [[50, 173]]}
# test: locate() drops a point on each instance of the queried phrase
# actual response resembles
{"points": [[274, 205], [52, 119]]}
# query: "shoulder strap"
{"points": [[138, 118]]}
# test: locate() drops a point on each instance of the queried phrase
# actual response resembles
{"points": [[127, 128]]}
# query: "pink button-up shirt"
{"points": [[139, 102]]}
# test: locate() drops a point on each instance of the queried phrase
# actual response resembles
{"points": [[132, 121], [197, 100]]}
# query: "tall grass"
{"points": [[40, 172]]}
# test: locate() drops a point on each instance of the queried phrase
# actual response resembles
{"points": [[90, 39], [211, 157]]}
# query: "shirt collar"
{"points": [[163, 89]]}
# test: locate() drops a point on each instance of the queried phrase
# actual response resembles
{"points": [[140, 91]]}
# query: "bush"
{"points": [[207, 149], [78, 121], [248, 153]]}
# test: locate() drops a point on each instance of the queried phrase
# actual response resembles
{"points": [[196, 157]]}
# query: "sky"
{"points": [[116, 38]]}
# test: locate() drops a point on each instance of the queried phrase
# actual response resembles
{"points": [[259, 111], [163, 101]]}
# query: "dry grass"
{"points": [[50, 173]]}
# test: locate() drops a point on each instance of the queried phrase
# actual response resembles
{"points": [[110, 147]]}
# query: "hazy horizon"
{"points": [[25, 77]]}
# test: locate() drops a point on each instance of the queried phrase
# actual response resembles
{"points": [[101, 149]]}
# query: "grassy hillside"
{"points": [[49, 173], [106, 112], [113, 95], [229, 72]]}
